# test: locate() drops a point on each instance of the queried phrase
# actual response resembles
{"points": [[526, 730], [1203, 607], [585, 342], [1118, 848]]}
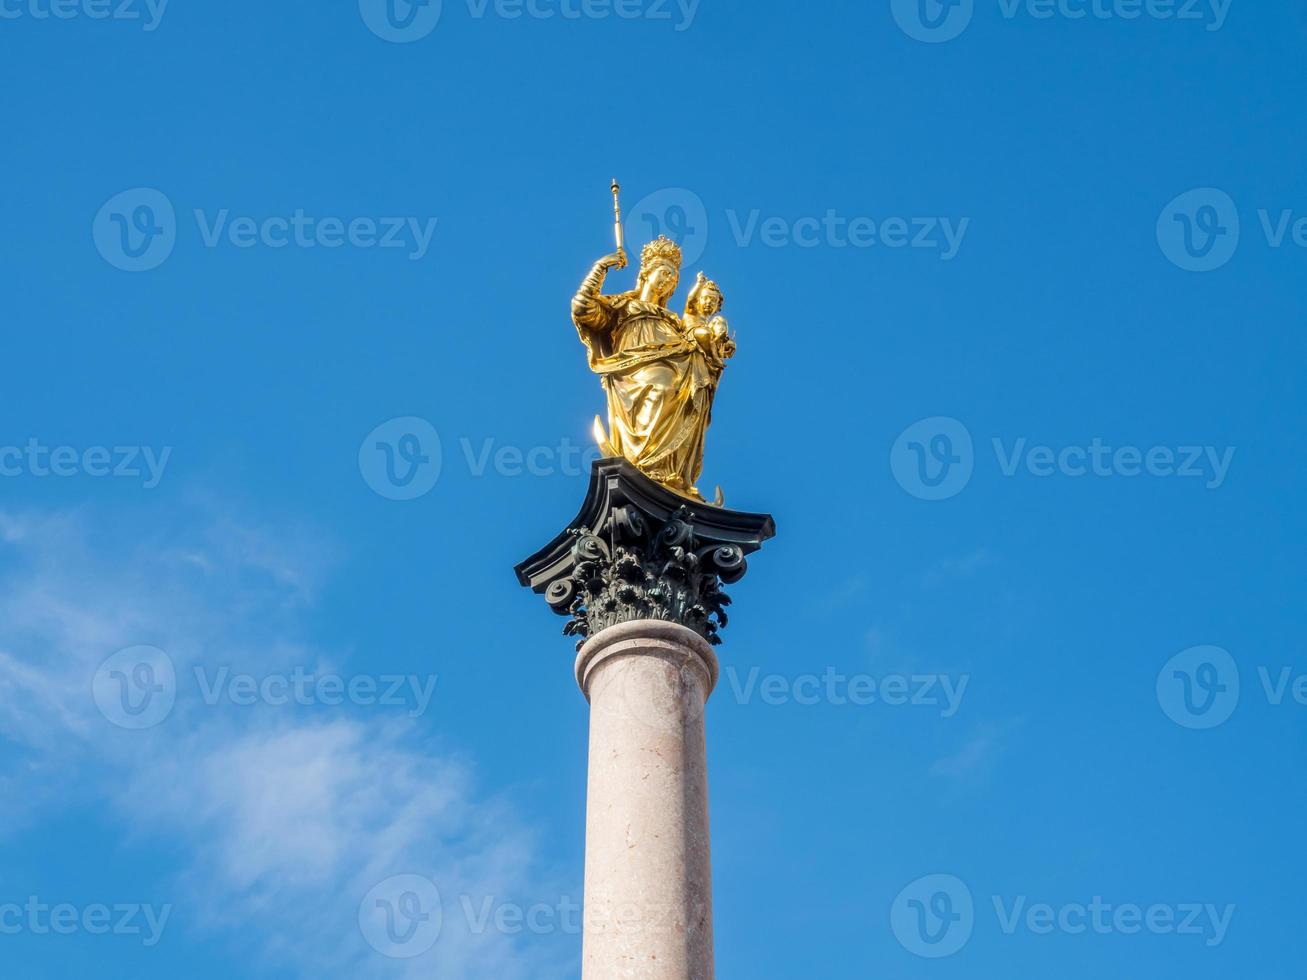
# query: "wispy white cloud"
{"points": [[973, 762], [288, 820], [837, 597], [958, 566]]}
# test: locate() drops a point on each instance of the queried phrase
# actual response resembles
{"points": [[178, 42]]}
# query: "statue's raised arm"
{"points": [[590, 310]]}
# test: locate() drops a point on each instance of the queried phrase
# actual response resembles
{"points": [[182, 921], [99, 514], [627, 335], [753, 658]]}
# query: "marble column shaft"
{"points": [[648, 868]]}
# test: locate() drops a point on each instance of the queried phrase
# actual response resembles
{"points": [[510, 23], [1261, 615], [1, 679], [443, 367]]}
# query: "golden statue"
{"points": [[660, 371]]}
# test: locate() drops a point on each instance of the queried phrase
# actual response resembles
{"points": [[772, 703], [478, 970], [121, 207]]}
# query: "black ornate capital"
{"points": [[639, 551]]}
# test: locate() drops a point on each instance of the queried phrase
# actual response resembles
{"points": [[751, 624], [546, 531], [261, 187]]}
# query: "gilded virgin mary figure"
{"points": [[660, 373]]}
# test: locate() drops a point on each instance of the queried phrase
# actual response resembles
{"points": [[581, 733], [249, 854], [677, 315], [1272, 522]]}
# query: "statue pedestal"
{"points": [[639, 573]]}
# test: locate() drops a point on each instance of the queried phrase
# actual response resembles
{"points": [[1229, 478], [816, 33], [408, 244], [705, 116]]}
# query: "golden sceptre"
{"points": [[617, 215], [601, 437]]}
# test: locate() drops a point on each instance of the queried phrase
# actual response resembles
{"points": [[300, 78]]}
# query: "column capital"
{"points": [[638, 551]]}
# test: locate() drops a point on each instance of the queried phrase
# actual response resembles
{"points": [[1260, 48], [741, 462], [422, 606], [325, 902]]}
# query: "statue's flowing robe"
{"points": [[659, 383]]}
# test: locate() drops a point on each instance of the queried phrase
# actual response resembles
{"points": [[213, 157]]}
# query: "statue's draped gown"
{"points": [[659, 383]]}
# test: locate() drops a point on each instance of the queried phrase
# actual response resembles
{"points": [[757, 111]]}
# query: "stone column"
{"points": [[648, 867], [639, 574]]}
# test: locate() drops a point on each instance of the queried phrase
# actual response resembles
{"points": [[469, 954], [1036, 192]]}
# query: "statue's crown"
{"points": [[662, 248]]}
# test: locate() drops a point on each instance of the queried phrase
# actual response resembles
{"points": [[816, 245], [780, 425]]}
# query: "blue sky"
{"points": [[1017, 287]]}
